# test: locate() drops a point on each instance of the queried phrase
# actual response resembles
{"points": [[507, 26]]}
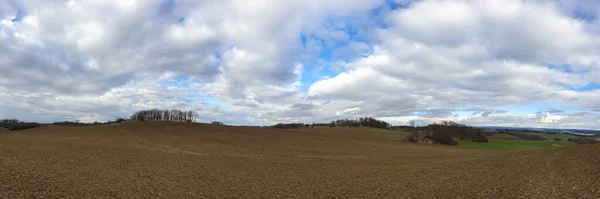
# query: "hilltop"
{"points": [[191, 160]]}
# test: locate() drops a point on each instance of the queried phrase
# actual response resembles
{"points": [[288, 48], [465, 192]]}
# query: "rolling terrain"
{"points": [[186, 160], [515, 144]]}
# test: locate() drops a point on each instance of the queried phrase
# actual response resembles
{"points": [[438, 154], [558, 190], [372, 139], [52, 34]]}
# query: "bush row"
{"points": [[14, 124], [584, 141]]}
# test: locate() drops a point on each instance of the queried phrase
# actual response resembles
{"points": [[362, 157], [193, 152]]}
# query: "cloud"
{"points": [[553, 119], [577, 114], [487, 112], [472, 63], [501, 111], [302, 61], [553, 111]]}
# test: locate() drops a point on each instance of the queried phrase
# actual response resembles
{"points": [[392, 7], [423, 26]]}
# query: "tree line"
{"points": [[77, 123], [444, 132], [292, 126], [165, 115], [364, 121], [15, 124]]}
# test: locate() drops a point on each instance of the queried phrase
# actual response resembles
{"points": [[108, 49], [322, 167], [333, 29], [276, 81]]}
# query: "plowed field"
{"points": [[177, 160]]}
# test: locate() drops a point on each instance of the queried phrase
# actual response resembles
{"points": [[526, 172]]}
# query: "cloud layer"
{"points": [[516, 62]]}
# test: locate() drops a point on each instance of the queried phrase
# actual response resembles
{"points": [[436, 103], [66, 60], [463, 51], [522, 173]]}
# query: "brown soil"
{"points": [[175, 160]]}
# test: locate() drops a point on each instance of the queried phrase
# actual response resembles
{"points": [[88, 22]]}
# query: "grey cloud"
{"points": [[580, 114], [475, 110], [584, 9], [75, 55], [60, 62], [469, 68], [484, 112], [244, 103], [552, 110], [435, 113], [487, 112], [303, 106], [143, 38]]}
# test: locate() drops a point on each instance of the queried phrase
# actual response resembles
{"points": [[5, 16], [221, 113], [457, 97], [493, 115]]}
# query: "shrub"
{"points": [[443, 136], [412, 138], [447, 130], [22, 126], [584, 141]]}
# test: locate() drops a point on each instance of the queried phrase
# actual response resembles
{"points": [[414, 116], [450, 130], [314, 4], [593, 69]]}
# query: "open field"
{"points": [[514, 144], [184, 160], [561, 136], [503, 136]]}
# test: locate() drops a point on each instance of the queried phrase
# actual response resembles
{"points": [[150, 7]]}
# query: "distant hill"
{"points": [[587, 131]]}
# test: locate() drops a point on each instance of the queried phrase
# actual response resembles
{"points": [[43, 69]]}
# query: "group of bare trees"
{"points": [[292, 126], [15, 124], [165, 115], [77, 123], [366, 121], [443, 132]]}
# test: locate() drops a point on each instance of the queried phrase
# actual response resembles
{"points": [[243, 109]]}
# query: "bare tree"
{"points": [[165, 115]]}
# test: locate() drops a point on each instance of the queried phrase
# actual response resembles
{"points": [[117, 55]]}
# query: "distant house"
{"points": [[217, 123]]}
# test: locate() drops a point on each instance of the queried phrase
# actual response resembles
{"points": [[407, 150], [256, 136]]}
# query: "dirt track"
{"points": [[173, 160]]}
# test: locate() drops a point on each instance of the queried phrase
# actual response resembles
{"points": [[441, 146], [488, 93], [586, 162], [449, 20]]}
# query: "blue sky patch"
{"points": [[167, 6], [588, 87], [19, 16]]}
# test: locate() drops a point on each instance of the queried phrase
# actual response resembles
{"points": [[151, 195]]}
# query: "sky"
{"points": [[523, 63]]}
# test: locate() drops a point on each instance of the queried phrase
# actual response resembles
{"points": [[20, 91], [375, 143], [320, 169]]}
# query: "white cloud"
{"points": [[475, 53], [82, 59], [553, 119]]}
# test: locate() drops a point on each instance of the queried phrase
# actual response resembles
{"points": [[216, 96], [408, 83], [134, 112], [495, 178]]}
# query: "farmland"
{"points": [[561, 136], [188, 160], [514, 144]]}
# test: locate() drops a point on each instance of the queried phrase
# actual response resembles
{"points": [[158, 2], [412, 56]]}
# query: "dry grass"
{"points": [[174, 160]]}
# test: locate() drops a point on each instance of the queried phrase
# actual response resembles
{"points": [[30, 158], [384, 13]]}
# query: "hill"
{"points": [[189, 160], [561, 136], [514, 144]]}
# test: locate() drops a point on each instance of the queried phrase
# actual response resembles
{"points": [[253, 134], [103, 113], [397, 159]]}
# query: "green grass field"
{"points": [[513, 144]]}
